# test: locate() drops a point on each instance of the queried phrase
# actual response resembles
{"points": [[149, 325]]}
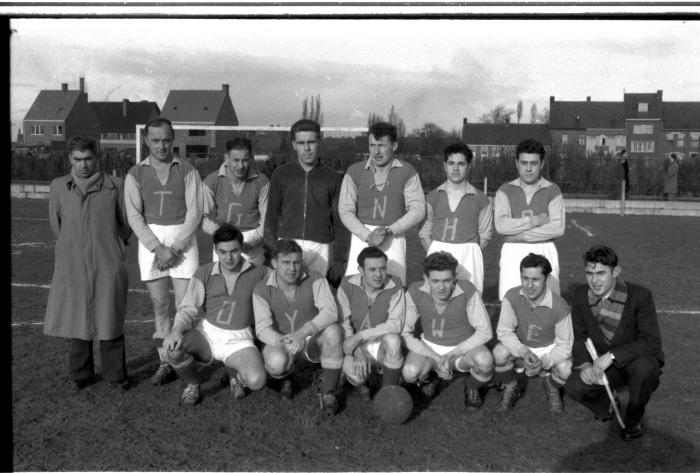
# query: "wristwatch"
{"points": [[612, 356]]}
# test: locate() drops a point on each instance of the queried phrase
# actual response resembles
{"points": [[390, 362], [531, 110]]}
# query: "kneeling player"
{"points": [[223, 291], [534, 330], [454, 330], [296, 317], [372, 307]]}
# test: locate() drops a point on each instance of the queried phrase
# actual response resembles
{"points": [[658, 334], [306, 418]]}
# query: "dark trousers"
{"points": [[112, 353], [641, 376]]}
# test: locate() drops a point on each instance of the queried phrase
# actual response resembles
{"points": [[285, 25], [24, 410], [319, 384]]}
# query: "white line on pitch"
{"points": [[47, 286], [586, 230], [30, 218], [21, 324], [32, 244]]}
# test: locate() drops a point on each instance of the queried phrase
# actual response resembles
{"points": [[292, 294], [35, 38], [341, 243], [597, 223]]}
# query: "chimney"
{"points": [[659, 93], [224, 87], [465, 121], [64, 87], [125, 105], [82, 84], [588, 99]]}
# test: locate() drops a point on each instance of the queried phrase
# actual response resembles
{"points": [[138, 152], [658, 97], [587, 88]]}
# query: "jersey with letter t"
{"points": [[163, 204], [539, 204], [290, 316], [452, 326], [362, 314], [460, 226]]}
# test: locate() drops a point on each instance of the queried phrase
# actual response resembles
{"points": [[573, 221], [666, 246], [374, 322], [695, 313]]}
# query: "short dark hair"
{"points": [[285, 247], [439, 261], [370, 252], [305, 124], [381, 129], [82, 143], [601, 254], [227, 232], [459, 148], [159, 122], [674, 157], [530, 145], [536, 261], [239, 142]]}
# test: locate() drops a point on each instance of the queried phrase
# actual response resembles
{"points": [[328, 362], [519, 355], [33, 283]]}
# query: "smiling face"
{"points": [[529, 167], [441, 284], [456, 168], [83, 163], [159, 141], [230, 256], [306, 146], [534, 283], [288, 267], [374, 274], [601, 278], [238, 161]]}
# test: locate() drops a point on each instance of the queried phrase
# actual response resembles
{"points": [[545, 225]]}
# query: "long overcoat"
{"points": [[671, 183], [88, 292]]}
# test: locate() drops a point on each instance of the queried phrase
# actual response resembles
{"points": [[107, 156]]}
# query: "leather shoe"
{"points": [[631, 433]]}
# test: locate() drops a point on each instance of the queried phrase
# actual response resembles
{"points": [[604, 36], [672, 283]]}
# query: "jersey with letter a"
{"points": [[362, 314], [229, 312], [460, 226], [240, 210], [290, 316], [452, 326], [163, 204], [536, 324]]}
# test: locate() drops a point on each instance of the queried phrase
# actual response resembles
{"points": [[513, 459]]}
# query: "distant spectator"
{"points": [[625, 171], [671, 184]]}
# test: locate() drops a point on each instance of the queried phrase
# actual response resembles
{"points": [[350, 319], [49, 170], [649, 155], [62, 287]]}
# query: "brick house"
{"points": [[57, 115], [118, 120], [494, 140]]}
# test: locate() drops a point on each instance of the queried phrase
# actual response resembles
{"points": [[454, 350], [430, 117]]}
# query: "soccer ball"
{"points": [[393, 404]]}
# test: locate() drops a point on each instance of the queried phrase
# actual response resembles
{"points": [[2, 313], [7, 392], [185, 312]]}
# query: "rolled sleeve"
{"points": [[553, 229], [563, 342], [192, 301], [415, 203], [255, 236], [347, 209], [485, 225], [133, 203], [264, 324], [504, 223], [209, 223], [412, 343], [345, 312], [479, 319], [195, 205], [426, 230], [394, 322], [505, 330], [325, 303]]}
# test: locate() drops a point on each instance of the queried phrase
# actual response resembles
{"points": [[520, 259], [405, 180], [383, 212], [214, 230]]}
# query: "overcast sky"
{"points": [[431, 70]]}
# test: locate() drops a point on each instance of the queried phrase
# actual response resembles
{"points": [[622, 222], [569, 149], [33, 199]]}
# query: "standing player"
{"points": [[459, 218], [534, 330], [620, 319], [237, 194], [303, 205], [296, 318], [222, 292], [372, 306], [87, 299], [163, 199], [446, 329], [380, 200], [529, 211]]}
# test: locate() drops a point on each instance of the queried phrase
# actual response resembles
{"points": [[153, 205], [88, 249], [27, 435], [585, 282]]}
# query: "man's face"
{"points": [[529, 167], [374, 272], [456, 168], [441, 284], [288, 267], [534, 283], [84, 163], [229, 253], [381, 150], [239, 162], [159, 141], [601, 278], [306, 146]]}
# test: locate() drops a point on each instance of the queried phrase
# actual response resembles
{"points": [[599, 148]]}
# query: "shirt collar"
{"points": [[456, 292], [395, 163], [547, 300], [244, 267], [252, 174], [103, 181], [147, 161], [470, 189], [356, 280], [272, 279], [541, 184]]}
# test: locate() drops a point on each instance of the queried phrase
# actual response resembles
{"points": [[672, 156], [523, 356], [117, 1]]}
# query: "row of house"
{"points": [[642, 124]]}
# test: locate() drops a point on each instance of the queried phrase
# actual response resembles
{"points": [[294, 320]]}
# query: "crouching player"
{"points": [[296, 318], [223, 292], [535, 331], [454, 328], [372, 307]]}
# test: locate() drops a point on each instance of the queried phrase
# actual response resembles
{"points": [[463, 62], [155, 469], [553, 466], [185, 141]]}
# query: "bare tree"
{"points": [[499, 114], [533, 113], [520, 110]]}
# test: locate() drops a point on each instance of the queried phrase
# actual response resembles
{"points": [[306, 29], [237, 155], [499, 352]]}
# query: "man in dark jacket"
{"points": [[620, 319], [303, 205]]}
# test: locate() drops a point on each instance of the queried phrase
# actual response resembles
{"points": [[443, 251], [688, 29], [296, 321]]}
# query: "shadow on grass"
{"points": [[655, 451]]}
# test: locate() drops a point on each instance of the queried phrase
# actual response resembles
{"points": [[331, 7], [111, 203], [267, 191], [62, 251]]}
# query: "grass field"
{"points": [[146, 430]]}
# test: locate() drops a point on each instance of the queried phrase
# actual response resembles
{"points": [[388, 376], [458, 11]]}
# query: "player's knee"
{"points": [[501, 355], [177, 357], [411, 372], [562, 370], [276, 361], [644, 367], [254, 379], [392, 345], [483, 360], [160, 302], [332, 335]]}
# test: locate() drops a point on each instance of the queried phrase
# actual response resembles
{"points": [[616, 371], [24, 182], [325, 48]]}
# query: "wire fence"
{"points": [[575, 174]]}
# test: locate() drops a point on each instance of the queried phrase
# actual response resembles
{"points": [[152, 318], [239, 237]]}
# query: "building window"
{"points": [[197, 133], [642, 146], [37, 129], [643, 129], [642, 107], [484, 152], [680, 143], [602, 142], [565, 139], [582, 140], [693, 143], [58, 130]]}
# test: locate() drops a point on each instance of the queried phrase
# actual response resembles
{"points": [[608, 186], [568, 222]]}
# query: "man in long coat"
{"points": [[87, 299]]}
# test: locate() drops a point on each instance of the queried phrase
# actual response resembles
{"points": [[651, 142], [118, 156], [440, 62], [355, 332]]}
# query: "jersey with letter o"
{"points": [[539, 204]]}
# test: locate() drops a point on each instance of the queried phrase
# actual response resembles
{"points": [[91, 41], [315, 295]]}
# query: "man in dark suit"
{"points": [[620, 318]]}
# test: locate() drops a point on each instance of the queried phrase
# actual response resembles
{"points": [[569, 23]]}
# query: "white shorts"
{"points": [[224, 343], [372, 348], [443, 350], [188, 264], [394, 247], [316, 256], [256, 255], [541, 351], [469, 257], [511, 256]]}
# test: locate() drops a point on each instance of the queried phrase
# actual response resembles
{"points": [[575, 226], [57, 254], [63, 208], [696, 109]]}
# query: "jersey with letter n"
{"points": [[241, 210], [234, 311], [163, 204], [451, 327], [536, 324], [539, 203], [380, 206], [460, 226], [362, 314], [290, 316]]}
